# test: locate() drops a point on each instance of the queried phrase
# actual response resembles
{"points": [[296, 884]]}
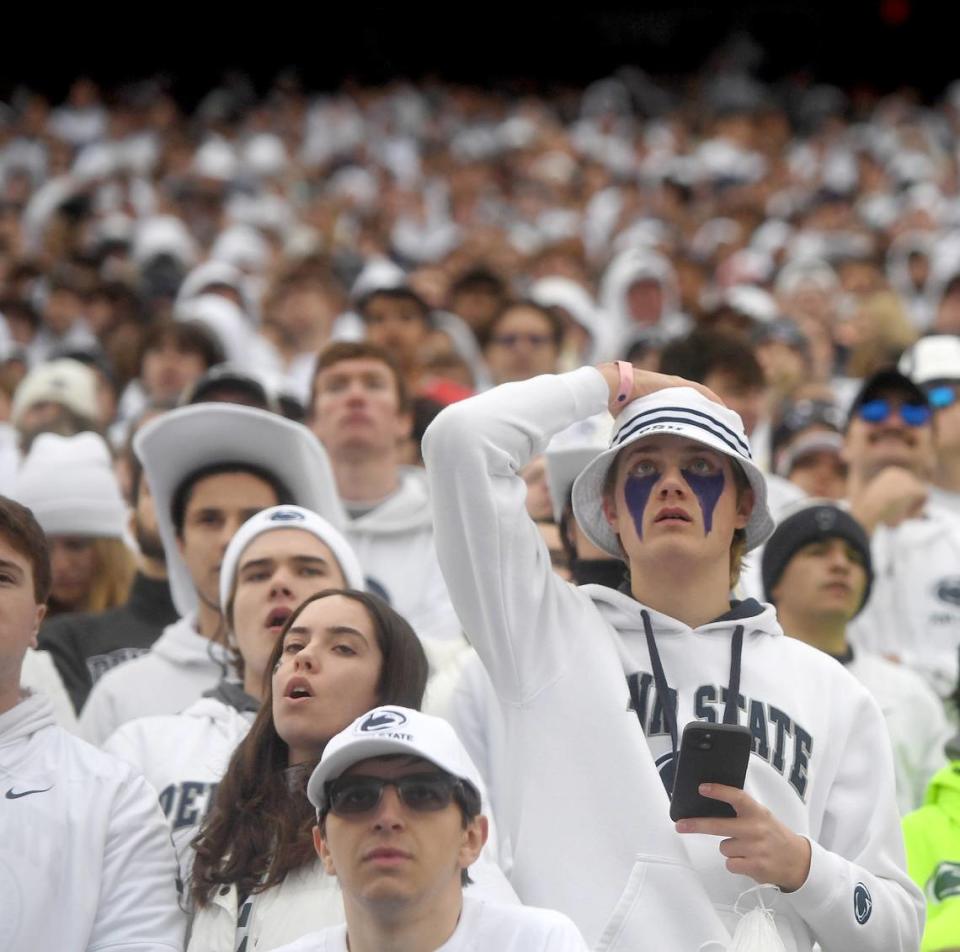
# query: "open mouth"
{"points": [[298, 688], [278, 616]]}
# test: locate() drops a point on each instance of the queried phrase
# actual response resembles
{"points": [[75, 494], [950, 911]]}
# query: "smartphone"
{"points": [[709, 753]]}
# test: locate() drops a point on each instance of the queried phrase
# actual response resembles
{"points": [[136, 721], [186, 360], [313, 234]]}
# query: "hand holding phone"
{"points": [[709, 753]]}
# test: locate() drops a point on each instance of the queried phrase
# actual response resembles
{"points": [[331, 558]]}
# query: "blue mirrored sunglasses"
{"points": [[879, 410], [942, 396]]}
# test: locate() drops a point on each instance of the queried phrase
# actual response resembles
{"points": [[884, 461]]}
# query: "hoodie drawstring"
{"points": [[663, 688]]}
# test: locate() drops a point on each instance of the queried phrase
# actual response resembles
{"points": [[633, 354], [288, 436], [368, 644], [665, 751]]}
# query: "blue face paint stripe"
{"points": [[708, 490], [636, 492]]}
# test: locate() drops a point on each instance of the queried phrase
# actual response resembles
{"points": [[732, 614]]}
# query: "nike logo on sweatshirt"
{"points": [[25, 793]]}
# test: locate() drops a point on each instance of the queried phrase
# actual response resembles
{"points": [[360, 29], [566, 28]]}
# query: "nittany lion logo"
{"points": [[286, 515], [382, 720], [667, 765], [825, 518], [944, 883], [862, 903], [948, 590]]}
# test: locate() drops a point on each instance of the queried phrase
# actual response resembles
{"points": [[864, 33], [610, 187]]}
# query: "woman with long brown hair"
{"points": [[255, 875]]}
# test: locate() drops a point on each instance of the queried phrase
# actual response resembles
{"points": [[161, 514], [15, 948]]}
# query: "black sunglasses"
{"points": [[356, 794]]}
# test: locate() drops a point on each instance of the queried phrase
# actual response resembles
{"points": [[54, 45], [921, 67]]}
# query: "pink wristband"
{"points": [[626, 380]]}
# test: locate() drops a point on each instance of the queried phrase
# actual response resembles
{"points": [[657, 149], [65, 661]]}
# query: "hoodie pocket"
{"points": [[662, 906]]}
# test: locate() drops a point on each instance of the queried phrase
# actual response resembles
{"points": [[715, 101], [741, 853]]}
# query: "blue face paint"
{"points": [[707, 489], [637, 491]]}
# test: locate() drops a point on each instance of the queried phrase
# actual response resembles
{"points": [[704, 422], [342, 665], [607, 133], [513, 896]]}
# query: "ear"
{"points": [[745, 507], [473, 840], [320, 845], [41, 614]]}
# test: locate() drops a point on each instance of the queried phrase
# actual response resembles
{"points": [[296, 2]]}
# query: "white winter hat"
{"points": [[178, 443], [63, 381], [69, 484], [393, 730], [288, 517], [932, 358], [675, 411]]}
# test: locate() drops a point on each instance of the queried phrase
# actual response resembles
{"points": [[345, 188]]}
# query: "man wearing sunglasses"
{"points": [[933, 363], [399, 815], [913, 614]]}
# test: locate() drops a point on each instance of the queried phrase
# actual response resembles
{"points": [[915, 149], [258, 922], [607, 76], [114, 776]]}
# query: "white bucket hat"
{"points": [[288, 517], [178, 443], [393, 730], [676, 411]]}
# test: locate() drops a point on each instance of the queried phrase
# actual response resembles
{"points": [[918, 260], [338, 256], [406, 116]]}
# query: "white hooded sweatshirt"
{"points": [[394, 543], [174, 673], [913, 611], [586, 794], [85, 856]]}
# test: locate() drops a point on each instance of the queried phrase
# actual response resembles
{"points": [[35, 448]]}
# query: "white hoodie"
{"points": [[85, 856], [914, 608], [180, 666], [586, 792], [394, 543]]}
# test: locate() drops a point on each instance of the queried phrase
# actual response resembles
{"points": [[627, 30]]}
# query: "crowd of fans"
{"points": [[238, 322]]}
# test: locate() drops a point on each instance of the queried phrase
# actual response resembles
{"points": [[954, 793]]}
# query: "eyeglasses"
{"points": [[942, 396], [879, 410], [511, 340], [356, 794]]}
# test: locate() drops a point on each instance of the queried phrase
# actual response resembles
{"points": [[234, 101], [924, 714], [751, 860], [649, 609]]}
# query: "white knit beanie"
{"points": [[69, 484], [288, 517]]}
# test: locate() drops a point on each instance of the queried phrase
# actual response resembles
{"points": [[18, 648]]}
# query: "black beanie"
{"points": [[815, 523]]}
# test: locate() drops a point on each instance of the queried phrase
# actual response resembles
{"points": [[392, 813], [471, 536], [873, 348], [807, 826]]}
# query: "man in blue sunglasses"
{"points": [[913, 614], [934, 364]]}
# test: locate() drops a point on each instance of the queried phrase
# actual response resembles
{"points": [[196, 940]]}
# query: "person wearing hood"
{"points": [[638, 288], [614, 675], [274, 561], [582, 320], [932, 837], [210, 467], [360, 412], [82, 830], [818, 573]]}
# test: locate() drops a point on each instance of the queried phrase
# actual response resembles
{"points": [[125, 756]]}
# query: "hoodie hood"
{"points": [[181, 644], [25, 719], [944, 789], [406, 510], [625, 269], [623, 612]]}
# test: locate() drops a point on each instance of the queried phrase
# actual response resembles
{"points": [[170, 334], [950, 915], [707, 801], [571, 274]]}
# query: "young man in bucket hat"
{"points": [[596, 683]]}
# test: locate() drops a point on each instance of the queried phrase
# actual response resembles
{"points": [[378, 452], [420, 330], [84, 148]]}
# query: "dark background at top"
{"points": [[880, 44]]}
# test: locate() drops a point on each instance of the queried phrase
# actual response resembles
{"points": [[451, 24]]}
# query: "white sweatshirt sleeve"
{"points": [[494, 560], [138, 907], [858, 896]]}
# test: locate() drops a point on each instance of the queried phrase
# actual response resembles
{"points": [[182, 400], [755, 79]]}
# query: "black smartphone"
{"points": [[709, 753]]}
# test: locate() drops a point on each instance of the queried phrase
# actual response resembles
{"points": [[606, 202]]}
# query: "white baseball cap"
{"points": [[393, 730], [288, 517], [675, 411], [932, 358]]}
